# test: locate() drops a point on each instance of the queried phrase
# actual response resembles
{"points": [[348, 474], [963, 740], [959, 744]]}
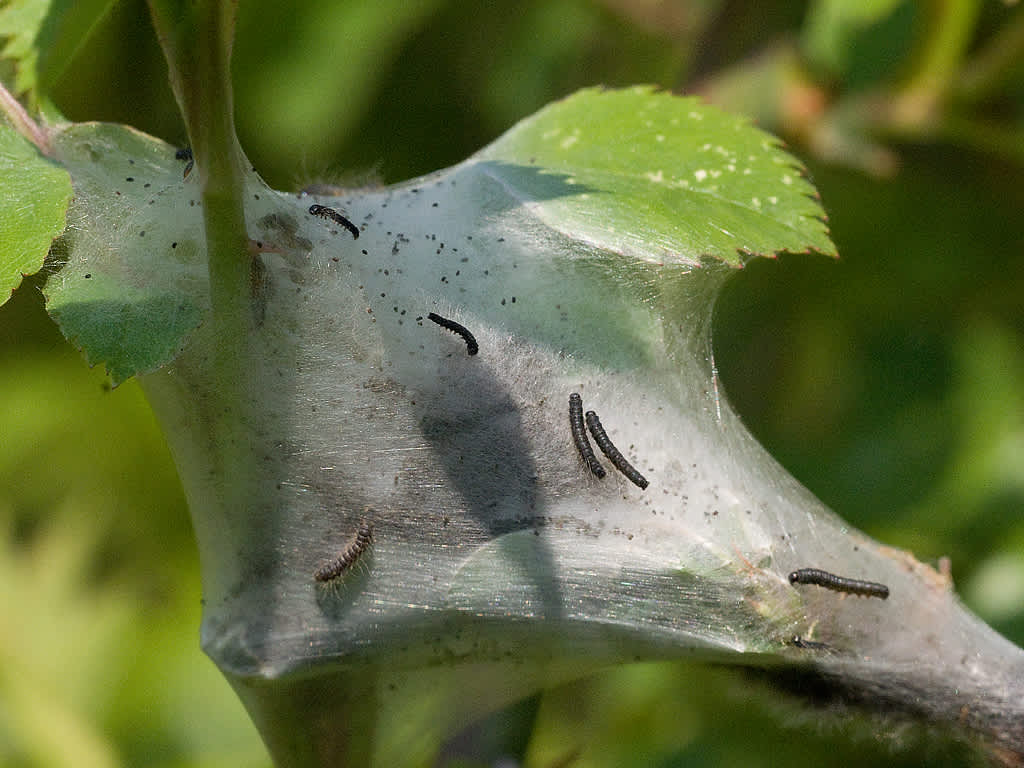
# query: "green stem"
{"points": [[986, 73], [949, 25], [197, 40]]}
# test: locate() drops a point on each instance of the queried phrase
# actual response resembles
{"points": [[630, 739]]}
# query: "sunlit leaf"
{"points": [[661, 178], [44, 36], [835, 28]]}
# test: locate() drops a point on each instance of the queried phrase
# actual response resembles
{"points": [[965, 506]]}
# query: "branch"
{"points": [[22, 122]]}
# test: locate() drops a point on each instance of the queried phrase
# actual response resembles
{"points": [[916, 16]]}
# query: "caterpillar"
{"points": [[613, 454], [333, 569], [579, 434], [185, 154], [329, 213], [471, 346], [838, 583], [800, 642]]}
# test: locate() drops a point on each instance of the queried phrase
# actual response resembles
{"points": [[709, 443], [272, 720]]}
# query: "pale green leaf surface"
{"points": [[134, 285], [34, 197], [661, 178]]}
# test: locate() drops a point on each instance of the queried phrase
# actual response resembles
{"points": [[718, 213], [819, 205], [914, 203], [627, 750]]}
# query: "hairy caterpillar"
{"points": [[579, 434], [838, 583], [613, 453], [471, 346], [329, 213], [333, 569]]}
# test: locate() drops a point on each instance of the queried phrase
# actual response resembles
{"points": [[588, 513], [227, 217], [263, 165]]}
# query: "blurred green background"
{"points": [[890, 382]]}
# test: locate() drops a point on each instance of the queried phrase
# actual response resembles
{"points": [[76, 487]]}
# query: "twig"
{"points": [[22, 122]]}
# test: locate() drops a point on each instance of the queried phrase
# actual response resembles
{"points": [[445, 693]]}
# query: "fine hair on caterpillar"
{"points": [[361, 542], [471, 346], [329, 213]]}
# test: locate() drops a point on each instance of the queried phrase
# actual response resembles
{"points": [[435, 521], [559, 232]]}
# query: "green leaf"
{"points": [[835, 29], [44, 36], [332, 104], [660, 178], [20, 22], [66, 29], [135, 281], [34, 197]]}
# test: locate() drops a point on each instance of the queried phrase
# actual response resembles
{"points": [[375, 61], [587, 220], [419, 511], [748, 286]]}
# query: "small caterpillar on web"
{"points": [[186, 154], [579, 435], [614, 455], [329, 213], [471, 346], [348, 557], [828, 580]]}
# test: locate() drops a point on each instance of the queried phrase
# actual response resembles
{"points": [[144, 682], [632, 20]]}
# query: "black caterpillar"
{"points": [[838, 583], [471, 346], [329, 213], [185, 154], [579, 434], [348, 557], [800, 642], [613, 454]]}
